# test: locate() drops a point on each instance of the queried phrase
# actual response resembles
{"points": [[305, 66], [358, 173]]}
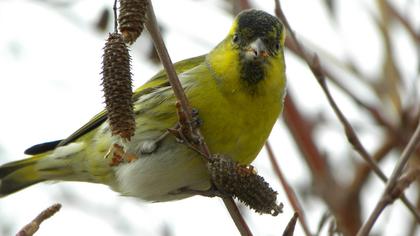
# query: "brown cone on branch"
{"points": [[131, 18], [242, 182], [116, 81]]}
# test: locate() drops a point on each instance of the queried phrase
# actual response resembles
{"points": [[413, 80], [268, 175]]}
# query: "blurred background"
{"points": [[50, 63]]}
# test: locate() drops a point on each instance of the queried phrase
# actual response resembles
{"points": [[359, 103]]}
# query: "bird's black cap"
{"points": [[254, 24]]}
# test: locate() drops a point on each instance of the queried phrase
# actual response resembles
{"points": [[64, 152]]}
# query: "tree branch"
{"points": [[33, 226], [153, 29], [363, 170], [289, 191], [316, 69], [391, 184], [290, 228], [345, 207]]}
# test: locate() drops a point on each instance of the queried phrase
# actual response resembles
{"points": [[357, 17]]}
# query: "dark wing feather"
{"points": [[42, 147]]}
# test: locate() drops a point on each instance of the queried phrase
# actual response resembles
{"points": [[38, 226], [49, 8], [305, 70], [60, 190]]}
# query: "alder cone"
{"points": [[243, 183], [117, 86], [131, 18]]}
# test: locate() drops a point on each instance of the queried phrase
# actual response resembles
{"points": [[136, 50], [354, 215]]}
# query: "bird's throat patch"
{"points": [[252, 72]]}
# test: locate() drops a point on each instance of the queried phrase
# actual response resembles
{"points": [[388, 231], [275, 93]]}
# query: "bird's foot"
{"points": [[196, 121], [184, 131]]}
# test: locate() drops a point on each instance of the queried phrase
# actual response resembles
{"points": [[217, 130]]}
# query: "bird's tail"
{"points": [[59, 164], [17, 175]]}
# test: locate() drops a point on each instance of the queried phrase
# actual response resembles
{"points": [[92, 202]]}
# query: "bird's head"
{"points": [[257, 38], [251, 52], [257, 35]]}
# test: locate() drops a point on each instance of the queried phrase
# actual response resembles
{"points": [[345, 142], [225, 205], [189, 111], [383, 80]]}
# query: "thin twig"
{"points": [[414, 226], [302, 134], [332, 229], [234, 213], [290, 228], [317, 71], [291, 195], [114, 8], [393, 12], [32, 227], [323, 222], [390, 186], [390, 79], [363, 170], [377, 115], [404, 182], [154, 31], [344, 207]]}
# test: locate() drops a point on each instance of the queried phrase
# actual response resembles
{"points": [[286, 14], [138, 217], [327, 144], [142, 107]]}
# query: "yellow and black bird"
{"points": [[238, 89]]}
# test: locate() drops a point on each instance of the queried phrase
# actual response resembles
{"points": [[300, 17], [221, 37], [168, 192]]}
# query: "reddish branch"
{"points": [[344, 206], [289, 191], [315, 67]]}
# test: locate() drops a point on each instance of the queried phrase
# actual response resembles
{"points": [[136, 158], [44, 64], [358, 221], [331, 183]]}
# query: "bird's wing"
{"points": [[157, 81]]}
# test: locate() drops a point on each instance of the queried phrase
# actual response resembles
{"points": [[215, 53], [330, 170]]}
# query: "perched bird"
{"points": [[238, 89]]}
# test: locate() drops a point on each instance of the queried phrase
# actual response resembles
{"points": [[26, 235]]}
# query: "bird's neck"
{"points": [[256, 82], [233, 74]]}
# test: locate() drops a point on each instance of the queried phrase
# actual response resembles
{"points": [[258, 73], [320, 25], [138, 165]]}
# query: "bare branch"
{"points": [[393, 12], [345, 207], [153, 29], [364, 169], [390, 190], [374, 112], [414, 226], [290, 228], [236, 216], [404, 182], [315, 66], [33, 226], [289, 191]]}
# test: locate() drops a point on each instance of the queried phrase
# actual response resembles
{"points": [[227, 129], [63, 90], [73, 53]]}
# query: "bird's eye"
{"points": [[235, 38]]}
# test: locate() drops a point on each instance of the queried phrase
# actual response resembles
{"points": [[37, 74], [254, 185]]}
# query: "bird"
{"points": [[238, 89]]}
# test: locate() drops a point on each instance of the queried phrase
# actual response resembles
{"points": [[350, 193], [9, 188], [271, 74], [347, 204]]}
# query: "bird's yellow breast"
{"points": [[236, 121]]}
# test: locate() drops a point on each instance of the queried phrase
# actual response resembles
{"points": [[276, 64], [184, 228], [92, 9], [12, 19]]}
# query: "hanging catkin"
{"points": [[131, 19], [116, 81]]}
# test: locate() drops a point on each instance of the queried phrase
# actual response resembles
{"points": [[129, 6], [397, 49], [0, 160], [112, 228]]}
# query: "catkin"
{"points": [[243, 183], [131, 18], [116, 81]]}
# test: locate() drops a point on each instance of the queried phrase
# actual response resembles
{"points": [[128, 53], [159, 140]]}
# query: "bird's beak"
{"points": [[257, 49]]}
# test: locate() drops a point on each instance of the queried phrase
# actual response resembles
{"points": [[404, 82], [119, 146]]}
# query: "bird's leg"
{"points": [[212, 192], [184, 130], [148, 147]]}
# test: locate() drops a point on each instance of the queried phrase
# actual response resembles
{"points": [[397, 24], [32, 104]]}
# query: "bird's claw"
{"points": [[184, 129]]}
